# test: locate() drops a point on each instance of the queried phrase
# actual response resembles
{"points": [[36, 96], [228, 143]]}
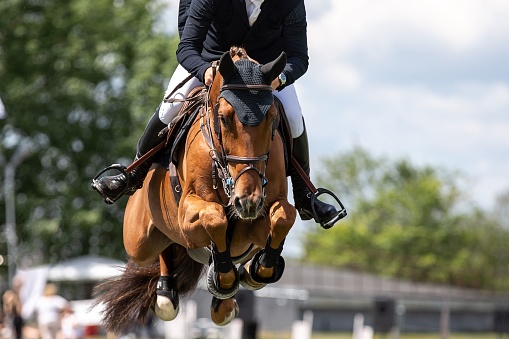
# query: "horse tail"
{"points": [[128, 298]]}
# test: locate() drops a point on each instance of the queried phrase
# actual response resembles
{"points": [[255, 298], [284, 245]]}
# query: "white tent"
{"points": [[88, 268], [85, 268]]}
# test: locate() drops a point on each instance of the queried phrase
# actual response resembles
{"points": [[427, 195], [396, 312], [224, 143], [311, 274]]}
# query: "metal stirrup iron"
{"points": [[315, 193]]}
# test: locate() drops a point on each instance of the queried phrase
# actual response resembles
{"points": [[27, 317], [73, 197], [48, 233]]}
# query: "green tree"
{"points": [[409, 222], [79, 80]]}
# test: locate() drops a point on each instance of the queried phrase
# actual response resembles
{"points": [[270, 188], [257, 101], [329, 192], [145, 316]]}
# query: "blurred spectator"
{"points": [[70, 327], [49, 309], [2, 326], [13, 322]]}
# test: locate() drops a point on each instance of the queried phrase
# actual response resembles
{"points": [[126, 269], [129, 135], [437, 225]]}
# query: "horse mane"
{"points": [[240, 53], [237, 51]]}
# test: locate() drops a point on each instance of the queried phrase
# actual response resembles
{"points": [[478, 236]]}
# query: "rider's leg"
{"points": [[301, 193], [112, 187], [169, 110]]}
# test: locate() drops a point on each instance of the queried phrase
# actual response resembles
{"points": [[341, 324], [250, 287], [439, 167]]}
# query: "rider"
{"points": [[208, 28]]}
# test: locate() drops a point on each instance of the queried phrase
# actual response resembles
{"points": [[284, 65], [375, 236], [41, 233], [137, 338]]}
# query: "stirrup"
{"points": [[326, 224], [117, 167]]}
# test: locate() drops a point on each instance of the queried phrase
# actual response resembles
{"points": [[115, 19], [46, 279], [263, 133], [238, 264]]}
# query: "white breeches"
{"points": [[287, 96]]}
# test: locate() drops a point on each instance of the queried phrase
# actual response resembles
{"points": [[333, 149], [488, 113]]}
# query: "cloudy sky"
{"points": [[422, 80], [425, 80]]}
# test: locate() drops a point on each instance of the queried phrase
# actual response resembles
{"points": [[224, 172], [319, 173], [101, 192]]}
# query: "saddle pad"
{"points": [[180, 125]]}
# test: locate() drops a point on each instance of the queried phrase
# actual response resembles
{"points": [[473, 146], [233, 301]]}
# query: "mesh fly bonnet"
{"points": [[250, 105]]}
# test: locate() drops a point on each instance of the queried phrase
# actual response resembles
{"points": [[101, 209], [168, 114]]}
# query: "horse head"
{"points": [[244, 115]]}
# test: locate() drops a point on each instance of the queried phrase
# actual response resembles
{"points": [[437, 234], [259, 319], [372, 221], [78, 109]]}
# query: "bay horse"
{"points": [[231, 213]]}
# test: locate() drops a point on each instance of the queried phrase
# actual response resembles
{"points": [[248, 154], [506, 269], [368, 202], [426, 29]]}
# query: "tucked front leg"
{"points": [[282, 218], [267, 265], [202, 221], [207, 222]]}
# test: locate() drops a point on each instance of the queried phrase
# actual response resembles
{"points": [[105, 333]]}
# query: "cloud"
{"points": [[454, 24], [423, 80]]}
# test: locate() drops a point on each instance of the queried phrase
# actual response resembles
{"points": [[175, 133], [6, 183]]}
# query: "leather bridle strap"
{"points": [[245, 160]]}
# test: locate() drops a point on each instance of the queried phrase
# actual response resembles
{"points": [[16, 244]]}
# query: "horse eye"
{"points": [[223, 120]]}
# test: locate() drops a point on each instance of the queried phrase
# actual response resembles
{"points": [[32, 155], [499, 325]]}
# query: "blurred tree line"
{"points": [[79, 80], [411, 222]]}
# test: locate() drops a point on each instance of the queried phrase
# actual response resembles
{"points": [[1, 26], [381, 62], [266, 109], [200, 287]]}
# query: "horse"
{"points": [[231, 211]]}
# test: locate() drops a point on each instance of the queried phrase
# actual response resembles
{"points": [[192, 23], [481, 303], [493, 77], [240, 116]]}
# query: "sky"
{"points": [[427, 81], [422, 80]]}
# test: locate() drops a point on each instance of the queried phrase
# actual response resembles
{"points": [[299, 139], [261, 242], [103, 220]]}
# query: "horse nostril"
{"points": [[237, 203], [259, 205], [248, 207]]}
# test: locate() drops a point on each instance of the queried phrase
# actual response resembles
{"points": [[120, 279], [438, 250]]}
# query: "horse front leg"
{"points": [[205, 223], [267, 265]]}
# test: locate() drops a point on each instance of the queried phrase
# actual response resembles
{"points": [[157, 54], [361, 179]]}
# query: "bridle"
{"points": [[220, 159]]}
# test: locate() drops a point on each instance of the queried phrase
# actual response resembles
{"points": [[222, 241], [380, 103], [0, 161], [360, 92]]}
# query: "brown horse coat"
{"points": [[256, 215]]}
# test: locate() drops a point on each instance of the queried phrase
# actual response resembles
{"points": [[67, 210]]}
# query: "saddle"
{"points": [[179, 127]]}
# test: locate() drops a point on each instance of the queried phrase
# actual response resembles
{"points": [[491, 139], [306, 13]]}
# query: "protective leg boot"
{"points": [[301, 193], [111, 188]]}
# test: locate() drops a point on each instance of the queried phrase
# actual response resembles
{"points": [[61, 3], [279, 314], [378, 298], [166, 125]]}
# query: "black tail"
{"points": [[129, 298]]}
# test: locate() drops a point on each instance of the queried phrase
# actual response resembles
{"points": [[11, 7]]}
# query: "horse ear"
{"points": [[226, 66], [272, 69]]}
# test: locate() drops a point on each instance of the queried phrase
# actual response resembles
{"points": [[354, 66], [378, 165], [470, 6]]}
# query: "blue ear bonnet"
{"points": [[250, 105]]}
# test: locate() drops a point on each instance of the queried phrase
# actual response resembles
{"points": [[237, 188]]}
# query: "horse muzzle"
{"points": [[248, 207]]}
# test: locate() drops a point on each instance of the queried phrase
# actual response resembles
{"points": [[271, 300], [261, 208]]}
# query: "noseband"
{"points": [[220, 159]]}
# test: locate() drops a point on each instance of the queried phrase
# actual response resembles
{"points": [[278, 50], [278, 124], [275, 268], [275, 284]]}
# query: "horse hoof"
{"points": [[251, 278], [213, 284], [167, 301], [246, 280], [215, 309], [165, 309]]}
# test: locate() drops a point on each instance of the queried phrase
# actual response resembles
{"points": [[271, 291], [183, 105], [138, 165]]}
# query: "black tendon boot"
{"points": [[111, 188], [325, 213]]}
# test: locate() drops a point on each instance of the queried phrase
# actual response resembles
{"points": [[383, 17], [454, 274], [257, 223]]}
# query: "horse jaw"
{"points": [[164, 309]]}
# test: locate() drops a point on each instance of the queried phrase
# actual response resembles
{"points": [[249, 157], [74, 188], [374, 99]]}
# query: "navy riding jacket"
{"points": [[213, 26]]}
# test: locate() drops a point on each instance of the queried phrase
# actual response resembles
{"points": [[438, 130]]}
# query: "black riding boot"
{"points": [[325, 213], [111, 188]]}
